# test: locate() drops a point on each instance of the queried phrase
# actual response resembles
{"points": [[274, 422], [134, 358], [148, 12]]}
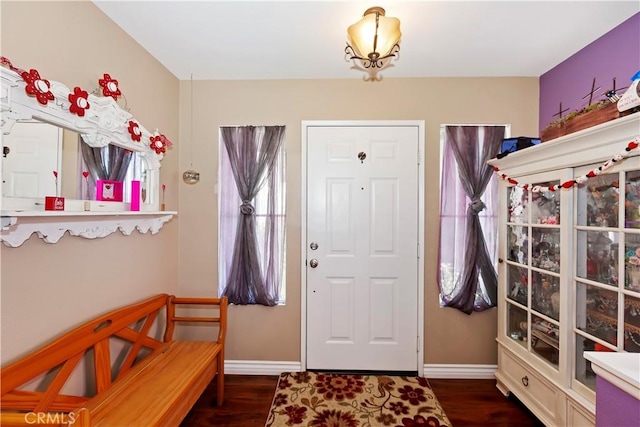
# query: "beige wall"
{"points": [[48, 288], [259, 333]]}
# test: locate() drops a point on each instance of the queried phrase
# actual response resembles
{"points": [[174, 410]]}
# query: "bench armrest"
{"points": [[173, 301]]}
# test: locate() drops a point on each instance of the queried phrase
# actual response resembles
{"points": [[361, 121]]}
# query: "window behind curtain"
{"points": [[86, 187], [453, 211], [228, 205]]}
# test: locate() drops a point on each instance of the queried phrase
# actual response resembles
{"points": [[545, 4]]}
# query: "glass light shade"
{"points": [[362, 33]]}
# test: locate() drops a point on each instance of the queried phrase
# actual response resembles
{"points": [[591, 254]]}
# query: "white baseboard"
{"points": [[267, 367], [460, 371], [259, 367]]}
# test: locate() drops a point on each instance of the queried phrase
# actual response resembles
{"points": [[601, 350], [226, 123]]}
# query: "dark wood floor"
{"points": [[466, 403]]}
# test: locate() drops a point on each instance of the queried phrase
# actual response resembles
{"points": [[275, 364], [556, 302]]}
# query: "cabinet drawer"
{"points": [[579, 416], [539, 395]]}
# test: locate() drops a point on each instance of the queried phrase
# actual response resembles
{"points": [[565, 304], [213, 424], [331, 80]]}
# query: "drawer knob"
{"points": [[525, 381]]}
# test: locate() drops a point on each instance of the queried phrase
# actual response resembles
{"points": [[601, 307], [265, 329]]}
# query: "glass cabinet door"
{"points": [[607, 256], [533, 269]]}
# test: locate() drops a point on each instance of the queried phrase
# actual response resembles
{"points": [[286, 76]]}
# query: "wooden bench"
{"points": [[154, 381]]}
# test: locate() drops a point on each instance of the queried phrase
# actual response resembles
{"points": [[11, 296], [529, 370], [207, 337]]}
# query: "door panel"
{"points": [[35, 153], [341, 291], [362, 210], [384, 328], [340, 217], [384, 217]]}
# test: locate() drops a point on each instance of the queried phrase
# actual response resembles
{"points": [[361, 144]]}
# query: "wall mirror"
{"points": [[60, 142], [41, 159]]}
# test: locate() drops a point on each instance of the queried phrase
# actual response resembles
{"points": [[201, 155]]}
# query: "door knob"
{"points": [[313, 263]]}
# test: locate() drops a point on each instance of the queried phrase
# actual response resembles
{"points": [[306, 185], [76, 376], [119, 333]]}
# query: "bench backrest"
{"points": [[131, 324], [68, 350]]}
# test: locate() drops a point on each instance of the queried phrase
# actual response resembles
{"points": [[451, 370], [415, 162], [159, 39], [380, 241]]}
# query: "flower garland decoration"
{"points": [[5, 61], [109, 87], [134, 131], [79, 101], [37, 86], [160, 143], [632, 145]]}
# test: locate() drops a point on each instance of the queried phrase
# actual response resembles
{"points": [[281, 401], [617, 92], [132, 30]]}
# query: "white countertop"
{"points": [[620, 369]]}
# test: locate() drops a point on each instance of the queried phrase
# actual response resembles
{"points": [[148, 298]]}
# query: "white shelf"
{"points": [[104, 123], [597, 143], [50, 226], [83, 214]]}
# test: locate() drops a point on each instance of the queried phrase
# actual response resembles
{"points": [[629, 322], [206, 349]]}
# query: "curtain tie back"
{"points": [[246, 208], [477, 206]]}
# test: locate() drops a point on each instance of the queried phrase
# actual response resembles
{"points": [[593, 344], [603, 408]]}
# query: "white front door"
{"points": [[34, 153], [362, 212]]}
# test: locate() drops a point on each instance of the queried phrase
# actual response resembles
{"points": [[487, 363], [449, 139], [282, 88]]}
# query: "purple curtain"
{"points": [[470, 147], [252, 153]]}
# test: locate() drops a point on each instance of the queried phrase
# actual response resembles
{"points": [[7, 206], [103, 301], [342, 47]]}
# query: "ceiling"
{"points": [[241, 39]]}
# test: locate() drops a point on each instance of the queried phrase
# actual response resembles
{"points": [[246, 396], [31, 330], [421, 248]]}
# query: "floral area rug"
{"points": [[335, 400]]}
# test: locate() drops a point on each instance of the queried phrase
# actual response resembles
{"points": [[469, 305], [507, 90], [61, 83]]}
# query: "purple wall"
{"points": [[614, 407], [615, 54]]}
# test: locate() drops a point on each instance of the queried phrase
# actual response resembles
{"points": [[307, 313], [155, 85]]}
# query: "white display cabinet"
{"points": [[569, 266]]}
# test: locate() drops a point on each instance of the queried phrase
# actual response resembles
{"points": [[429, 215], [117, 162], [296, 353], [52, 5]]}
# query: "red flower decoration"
{"points": [[296, 414], [134, 131], [37, 86], [339, 387], [332, 417], [110, 87], [158, 143], [414, 395], [419, 420], [78, 100], [280, 399], [423, 382]]}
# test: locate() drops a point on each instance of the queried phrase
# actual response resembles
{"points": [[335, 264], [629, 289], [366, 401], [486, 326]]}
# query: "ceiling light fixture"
{"points": [[374, 41]]}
